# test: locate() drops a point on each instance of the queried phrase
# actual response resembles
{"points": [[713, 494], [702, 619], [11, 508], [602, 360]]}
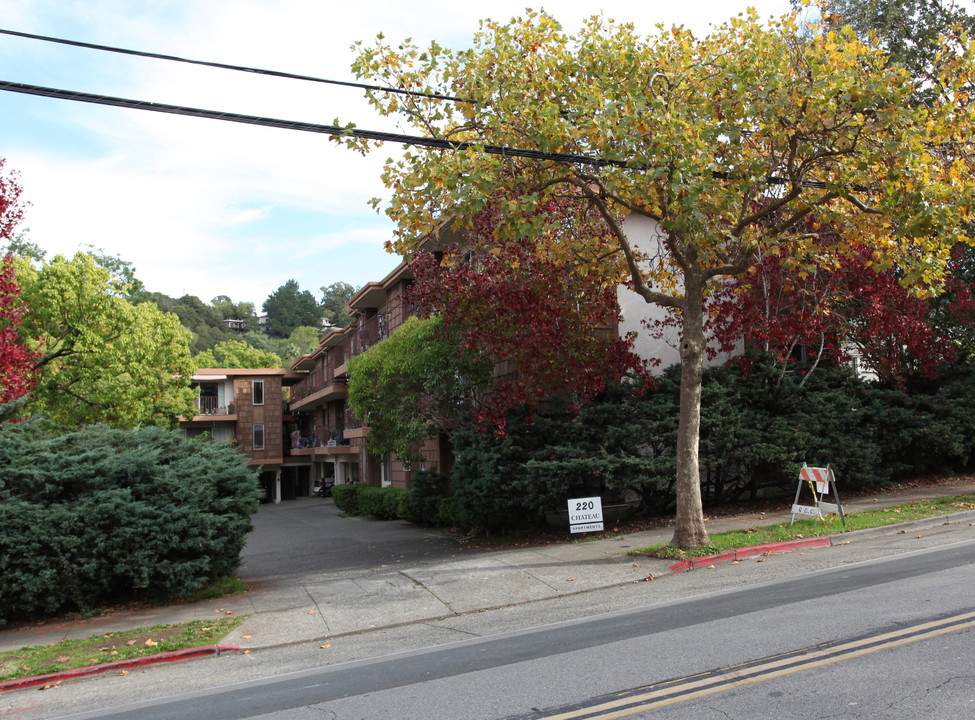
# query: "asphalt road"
{"points": [[306, 535], [571, 669]]}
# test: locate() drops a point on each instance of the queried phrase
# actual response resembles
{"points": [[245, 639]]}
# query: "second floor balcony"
{"points": [[208, 405], [330, 370]]}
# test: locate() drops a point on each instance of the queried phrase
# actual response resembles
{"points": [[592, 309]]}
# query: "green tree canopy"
{"points": [[413, 384], [909, 31], [699, 140], [236, 354], [230, 310], [102, 359], [289, 307], [205, 325], [335, 303]]}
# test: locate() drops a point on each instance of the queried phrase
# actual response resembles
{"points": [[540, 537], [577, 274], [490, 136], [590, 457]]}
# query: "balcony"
{"points": [[207, 405], [369, 332], [328, 379]]}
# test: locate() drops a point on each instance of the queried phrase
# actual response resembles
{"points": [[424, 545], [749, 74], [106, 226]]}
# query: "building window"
{"points": [[258, 437], [258, 391]]}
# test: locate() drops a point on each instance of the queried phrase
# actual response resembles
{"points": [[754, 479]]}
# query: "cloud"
{"points": [[208, 207]]}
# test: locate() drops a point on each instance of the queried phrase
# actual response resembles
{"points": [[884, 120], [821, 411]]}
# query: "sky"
{"points": [[205, 207]]}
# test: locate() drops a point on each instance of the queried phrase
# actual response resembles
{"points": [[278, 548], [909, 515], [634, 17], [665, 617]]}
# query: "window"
{"points": [[258, 437], [258, 391]]}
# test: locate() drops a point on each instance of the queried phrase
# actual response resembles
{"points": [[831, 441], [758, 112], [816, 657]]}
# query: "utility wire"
{"points": [[418, 140], [225, 66], [310, 127]]}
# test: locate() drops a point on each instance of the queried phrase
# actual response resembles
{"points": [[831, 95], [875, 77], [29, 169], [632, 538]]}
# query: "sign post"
{"points": [[820, 481], [586, 514]]}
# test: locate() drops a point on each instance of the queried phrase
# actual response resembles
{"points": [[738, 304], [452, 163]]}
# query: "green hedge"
{"points": [[98, 516], [346, 498], [381, 503], [757, 429]]}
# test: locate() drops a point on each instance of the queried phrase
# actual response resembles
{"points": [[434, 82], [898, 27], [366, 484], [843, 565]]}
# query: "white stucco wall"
{"points": [[647, 237]]}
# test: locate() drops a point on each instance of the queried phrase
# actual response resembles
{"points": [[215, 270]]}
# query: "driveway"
{"points": [[309, 535]]}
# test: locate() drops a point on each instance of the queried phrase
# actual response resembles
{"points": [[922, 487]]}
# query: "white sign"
{"points": [[586, 514], [805, 510]]}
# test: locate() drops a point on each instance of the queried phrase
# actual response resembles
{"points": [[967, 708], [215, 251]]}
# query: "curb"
{"points": [[821, 541], [172, 656], [738, 554]]}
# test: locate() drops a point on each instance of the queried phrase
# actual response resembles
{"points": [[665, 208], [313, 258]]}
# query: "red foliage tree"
{"points": [[548, 320], [18, 373], [789, 306], [11, 208], [17, 363]]}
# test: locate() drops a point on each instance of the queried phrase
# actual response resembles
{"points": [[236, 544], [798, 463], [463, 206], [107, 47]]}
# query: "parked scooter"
{"points": [[323, 488]]}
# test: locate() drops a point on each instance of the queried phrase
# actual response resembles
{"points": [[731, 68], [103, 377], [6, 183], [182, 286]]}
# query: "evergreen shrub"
{"points": [[757, 429], [428, 488], [346, 498], [381, 503], [95, 516], [452, 514]]}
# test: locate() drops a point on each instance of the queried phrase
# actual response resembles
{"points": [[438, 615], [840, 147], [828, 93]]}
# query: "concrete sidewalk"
{"points": [[320, 605]]}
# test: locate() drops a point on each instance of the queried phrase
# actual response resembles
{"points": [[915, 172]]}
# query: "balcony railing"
{"points": [[351, 421], [211, 406], [369, 332], [354, 343]]}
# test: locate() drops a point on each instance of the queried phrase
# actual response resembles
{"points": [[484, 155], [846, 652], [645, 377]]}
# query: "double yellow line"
{"points": [[695, 686]]}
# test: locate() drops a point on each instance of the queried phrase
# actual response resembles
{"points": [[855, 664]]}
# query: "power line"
{"points": [[418, 140], [311, 127], [226, 66], [336, 130]]}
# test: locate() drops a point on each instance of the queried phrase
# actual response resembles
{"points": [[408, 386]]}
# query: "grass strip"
{"points": [[805, 528], [111, 647]]}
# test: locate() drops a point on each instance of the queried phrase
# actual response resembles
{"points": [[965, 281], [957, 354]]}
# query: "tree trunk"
{"points": [[689, 528]]}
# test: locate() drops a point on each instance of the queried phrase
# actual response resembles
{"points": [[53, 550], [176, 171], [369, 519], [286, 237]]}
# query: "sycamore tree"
{"points": [[704, 137], [101, 359], [908, 30]]}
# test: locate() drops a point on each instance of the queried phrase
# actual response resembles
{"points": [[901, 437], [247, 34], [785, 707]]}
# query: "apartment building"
{"points": [[327, 433], [246, 407]]}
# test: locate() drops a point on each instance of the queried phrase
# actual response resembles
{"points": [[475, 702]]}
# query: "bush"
{"points": [[346, 498], [452, 514], [386, 503], [377, 502], [428, 488], [757, 429], [96, 516], [511, 480]]}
